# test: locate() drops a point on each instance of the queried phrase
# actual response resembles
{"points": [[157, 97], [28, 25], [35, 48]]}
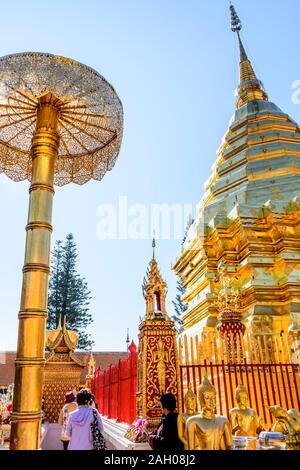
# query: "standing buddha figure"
{"points": [[161, 357], [244, 419], [206, 430], [190, 404]]}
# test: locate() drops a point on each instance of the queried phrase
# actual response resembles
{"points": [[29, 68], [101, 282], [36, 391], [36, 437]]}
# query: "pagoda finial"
{"points": [[235, 22], [153, 244], [127, 339], [236, 27], [250, 88], [154, 289]]}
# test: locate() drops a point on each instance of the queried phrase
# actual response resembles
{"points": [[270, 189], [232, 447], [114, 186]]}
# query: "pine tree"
{"points": [[68, 292], [189, 223], [54, 298], [179, 306]]}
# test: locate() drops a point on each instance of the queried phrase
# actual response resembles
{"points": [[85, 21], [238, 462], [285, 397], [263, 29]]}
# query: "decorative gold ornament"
{"points": [[91, 364], [227, 296], [208, 431], [229, 321], [89, 118], [60, 121], [63, 369], [158, 359]]}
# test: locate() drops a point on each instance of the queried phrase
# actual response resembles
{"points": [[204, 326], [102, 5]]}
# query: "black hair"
{"points": [[83, 397], [168, 401]]}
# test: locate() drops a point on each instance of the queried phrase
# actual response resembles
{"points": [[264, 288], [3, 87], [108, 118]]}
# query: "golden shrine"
{"points": [[91, 364], [63, 369], [158, 367], [248, 221]]}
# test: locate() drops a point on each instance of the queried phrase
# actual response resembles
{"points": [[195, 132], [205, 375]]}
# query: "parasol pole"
{"points": [[30, 360]]}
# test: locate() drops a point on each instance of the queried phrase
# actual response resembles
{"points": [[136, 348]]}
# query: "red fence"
{"points": [[115, 389]]}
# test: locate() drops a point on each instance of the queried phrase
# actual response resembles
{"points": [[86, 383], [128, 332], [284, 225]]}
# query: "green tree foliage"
{"points": [[68, 292], [179, 306]]}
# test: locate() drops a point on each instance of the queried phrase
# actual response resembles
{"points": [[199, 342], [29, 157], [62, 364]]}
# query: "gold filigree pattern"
{"points": [[90, 116], [158, 368], [158, 364], [54, 393]]}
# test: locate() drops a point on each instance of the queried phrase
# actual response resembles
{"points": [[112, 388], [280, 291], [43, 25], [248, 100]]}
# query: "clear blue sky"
{"points": [[174, 65]]}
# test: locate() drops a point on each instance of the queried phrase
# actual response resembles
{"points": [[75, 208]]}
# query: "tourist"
{"points": [[79, 428], [93, 402], [165, 437], [69, 406]]}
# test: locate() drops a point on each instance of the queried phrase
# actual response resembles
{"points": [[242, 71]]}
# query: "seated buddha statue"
{"points": [[206, 430], [190, 403], [287, 422], [244, 420]]}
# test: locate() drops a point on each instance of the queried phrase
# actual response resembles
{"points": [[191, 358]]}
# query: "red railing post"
{"points": [[109, 392], [133, 381], [119, 408]]}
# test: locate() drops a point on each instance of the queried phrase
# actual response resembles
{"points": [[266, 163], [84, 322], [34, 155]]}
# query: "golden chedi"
{"points": [[190, 404], [206, 430], [248, 217], [244, 420]]}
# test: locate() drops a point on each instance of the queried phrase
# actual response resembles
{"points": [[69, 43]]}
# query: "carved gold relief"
{"points": [[158, 368]]}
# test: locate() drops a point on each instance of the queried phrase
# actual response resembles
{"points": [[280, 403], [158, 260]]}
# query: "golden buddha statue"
{"points": [[294, 413], [287, 421], [190, 404], [206, 430], [244, 419]]}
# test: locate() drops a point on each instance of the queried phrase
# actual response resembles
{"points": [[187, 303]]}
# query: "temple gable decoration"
{"points": [[63, 369]]}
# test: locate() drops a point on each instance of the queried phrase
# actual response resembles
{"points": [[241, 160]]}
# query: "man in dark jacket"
{"points": [[165, 437]]}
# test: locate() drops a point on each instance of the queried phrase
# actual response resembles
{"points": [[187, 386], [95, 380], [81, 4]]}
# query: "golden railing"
{"points": [[263, 365]]}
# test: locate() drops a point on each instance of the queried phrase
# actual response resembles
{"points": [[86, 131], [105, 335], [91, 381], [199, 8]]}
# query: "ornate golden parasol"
{"points": [[60, 121]]}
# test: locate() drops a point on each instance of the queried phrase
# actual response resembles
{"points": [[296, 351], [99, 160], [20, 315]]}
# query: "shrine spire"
{"points": [[250, 87]]}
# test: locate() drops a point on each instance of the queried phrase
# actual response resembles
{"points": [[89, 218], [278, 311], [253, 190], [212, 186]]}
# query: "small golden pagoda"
{"points": [[63, 369], [91, 364], [158, 367], [248, 218]]}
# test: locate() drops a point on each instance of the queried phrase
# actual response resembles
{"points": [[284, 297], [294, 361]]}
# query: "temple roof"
{"points": [[61, 338]]}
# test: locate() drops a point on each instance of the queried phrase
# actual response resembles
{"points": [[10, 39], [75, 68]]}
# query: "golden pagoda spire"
{"points": [[153, 244], [154, 289], [250, 88]]}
